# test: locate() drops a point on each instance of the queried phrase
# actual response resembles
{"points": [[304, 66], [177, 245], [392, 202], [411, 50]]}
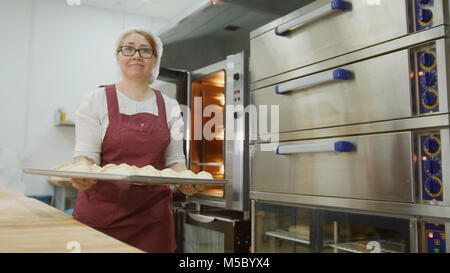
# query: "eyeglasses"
{"points": [[146, 53]]}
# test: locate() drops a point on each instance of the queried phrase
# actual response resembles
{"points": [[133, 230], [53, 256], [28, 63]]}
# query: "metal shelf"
{"points": [[361, 246], [289, 236], [66, 124], [208, 163]]}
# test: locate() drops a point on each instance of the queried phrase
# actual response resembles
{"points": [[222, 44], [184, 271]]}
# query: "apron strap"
{"points": [[113, 105], [161, 106]]}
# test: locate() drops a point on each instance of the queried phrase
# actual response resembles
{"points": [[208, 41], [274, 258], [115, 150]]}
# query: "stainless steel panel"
{"points": [[414, 235], [379, 168], [443, 68], [379, 49], [364, 25], [417, 123], [447, 234], [445, 166], [351, 204], [379, 90], [236, 148]]}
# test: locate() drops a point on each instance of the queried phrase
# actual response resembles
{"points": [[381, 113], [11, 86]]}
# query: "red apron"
{"points": [[140, 216]]}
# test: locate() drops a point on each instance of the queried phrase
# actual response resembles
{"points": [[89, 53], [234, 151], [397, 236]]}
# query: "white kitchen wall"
{"points": [[52, 54]]}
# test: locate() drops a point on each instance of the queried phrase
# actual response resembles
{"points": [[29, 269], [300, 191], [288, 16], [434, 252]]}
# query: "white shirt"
{"points": [[92, 121]]}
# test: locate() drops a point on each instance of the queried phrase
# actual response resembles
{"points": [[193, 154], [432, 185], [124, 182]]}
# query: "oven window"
{"points": [[201, 240], [350, 238], [284, 228], [207, 134], [281, 229]]}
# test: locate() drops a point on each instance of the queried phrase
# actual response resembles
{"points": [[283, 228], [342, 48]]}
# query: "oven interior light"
{"points": [[222, 171], [220, 135], [222, 100]]}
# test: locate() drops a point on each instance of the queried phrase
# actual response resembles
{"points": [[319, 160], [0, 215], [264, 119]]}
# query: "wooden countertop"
{"points": [[30, 226]]}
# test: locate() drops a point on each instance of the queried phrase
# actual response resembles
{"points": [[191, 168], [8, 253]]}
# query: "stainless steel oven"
{"points": [[363, 128], [213, 230], [213, 99], [216, 135], [281, 227], [326, 29]]}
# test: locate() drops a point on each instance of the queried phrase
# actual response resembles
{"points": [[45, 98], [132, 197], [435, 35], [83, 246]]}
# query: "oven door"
{"points": [[219, 131], [405, 83], [293, 228], [211, 231], [176, 84], [325, 29]]}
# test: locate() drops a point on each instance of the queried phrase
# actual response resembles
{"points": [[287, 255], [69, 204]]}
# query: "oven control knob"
{"points": [[433, 186], [431, 146], [432, 166], [236, 76], [428, 79], [429, 98], [427, 59], [425, 15]]}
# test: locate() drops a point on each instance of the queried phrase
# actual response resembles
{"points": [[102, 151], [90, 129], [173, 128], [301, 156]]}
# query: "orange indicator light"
{"points": [[424, 158], [430, 235]]}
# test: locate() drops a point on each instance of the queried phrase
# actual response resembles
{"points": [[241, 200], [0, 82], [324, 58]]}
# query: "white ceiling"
{"points": [[162, 9]]}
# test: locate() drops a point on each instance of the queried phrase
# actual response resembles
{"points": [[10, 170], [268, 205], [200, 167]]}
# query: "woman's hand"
{"points": [[188, 189], [82, 184]]}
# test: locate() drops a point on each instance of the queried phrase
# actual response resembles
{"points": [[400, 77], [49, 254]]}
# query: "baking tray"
{"points": [[128, 179]]}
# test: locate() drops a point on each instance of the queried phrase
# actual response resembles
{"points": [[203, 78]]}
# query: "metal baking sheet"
{"points": [[129, 179]]}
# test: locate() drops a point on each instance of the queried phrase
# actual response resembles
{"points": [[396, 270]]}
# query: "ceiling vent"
{"points": [[232, 28]]}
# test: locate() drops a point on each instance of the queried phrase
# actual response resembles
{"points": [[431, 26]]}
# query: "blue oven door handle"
{"points": [[338, 146], [309, 81], [325, 10]]}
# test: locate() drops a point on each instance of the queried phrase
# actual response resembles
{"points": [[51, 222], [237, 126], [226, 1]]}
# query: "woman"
{"points": [[129, 122]]}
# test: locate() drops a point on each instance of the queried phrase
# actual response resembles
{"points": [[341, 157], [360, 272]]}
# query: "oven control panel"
{"points": [[423, 14], [435, 238], [424, 79], [430, 166]]}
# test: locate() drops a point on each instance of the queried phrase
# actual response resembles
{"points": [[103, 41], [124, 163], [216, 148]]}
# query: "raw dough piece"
{"points": [[66, 166], [108, 168], [168, 172], [149, 170], [95, 168], [204, 175], [80, 166], [123, 169], [187, 174]]}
